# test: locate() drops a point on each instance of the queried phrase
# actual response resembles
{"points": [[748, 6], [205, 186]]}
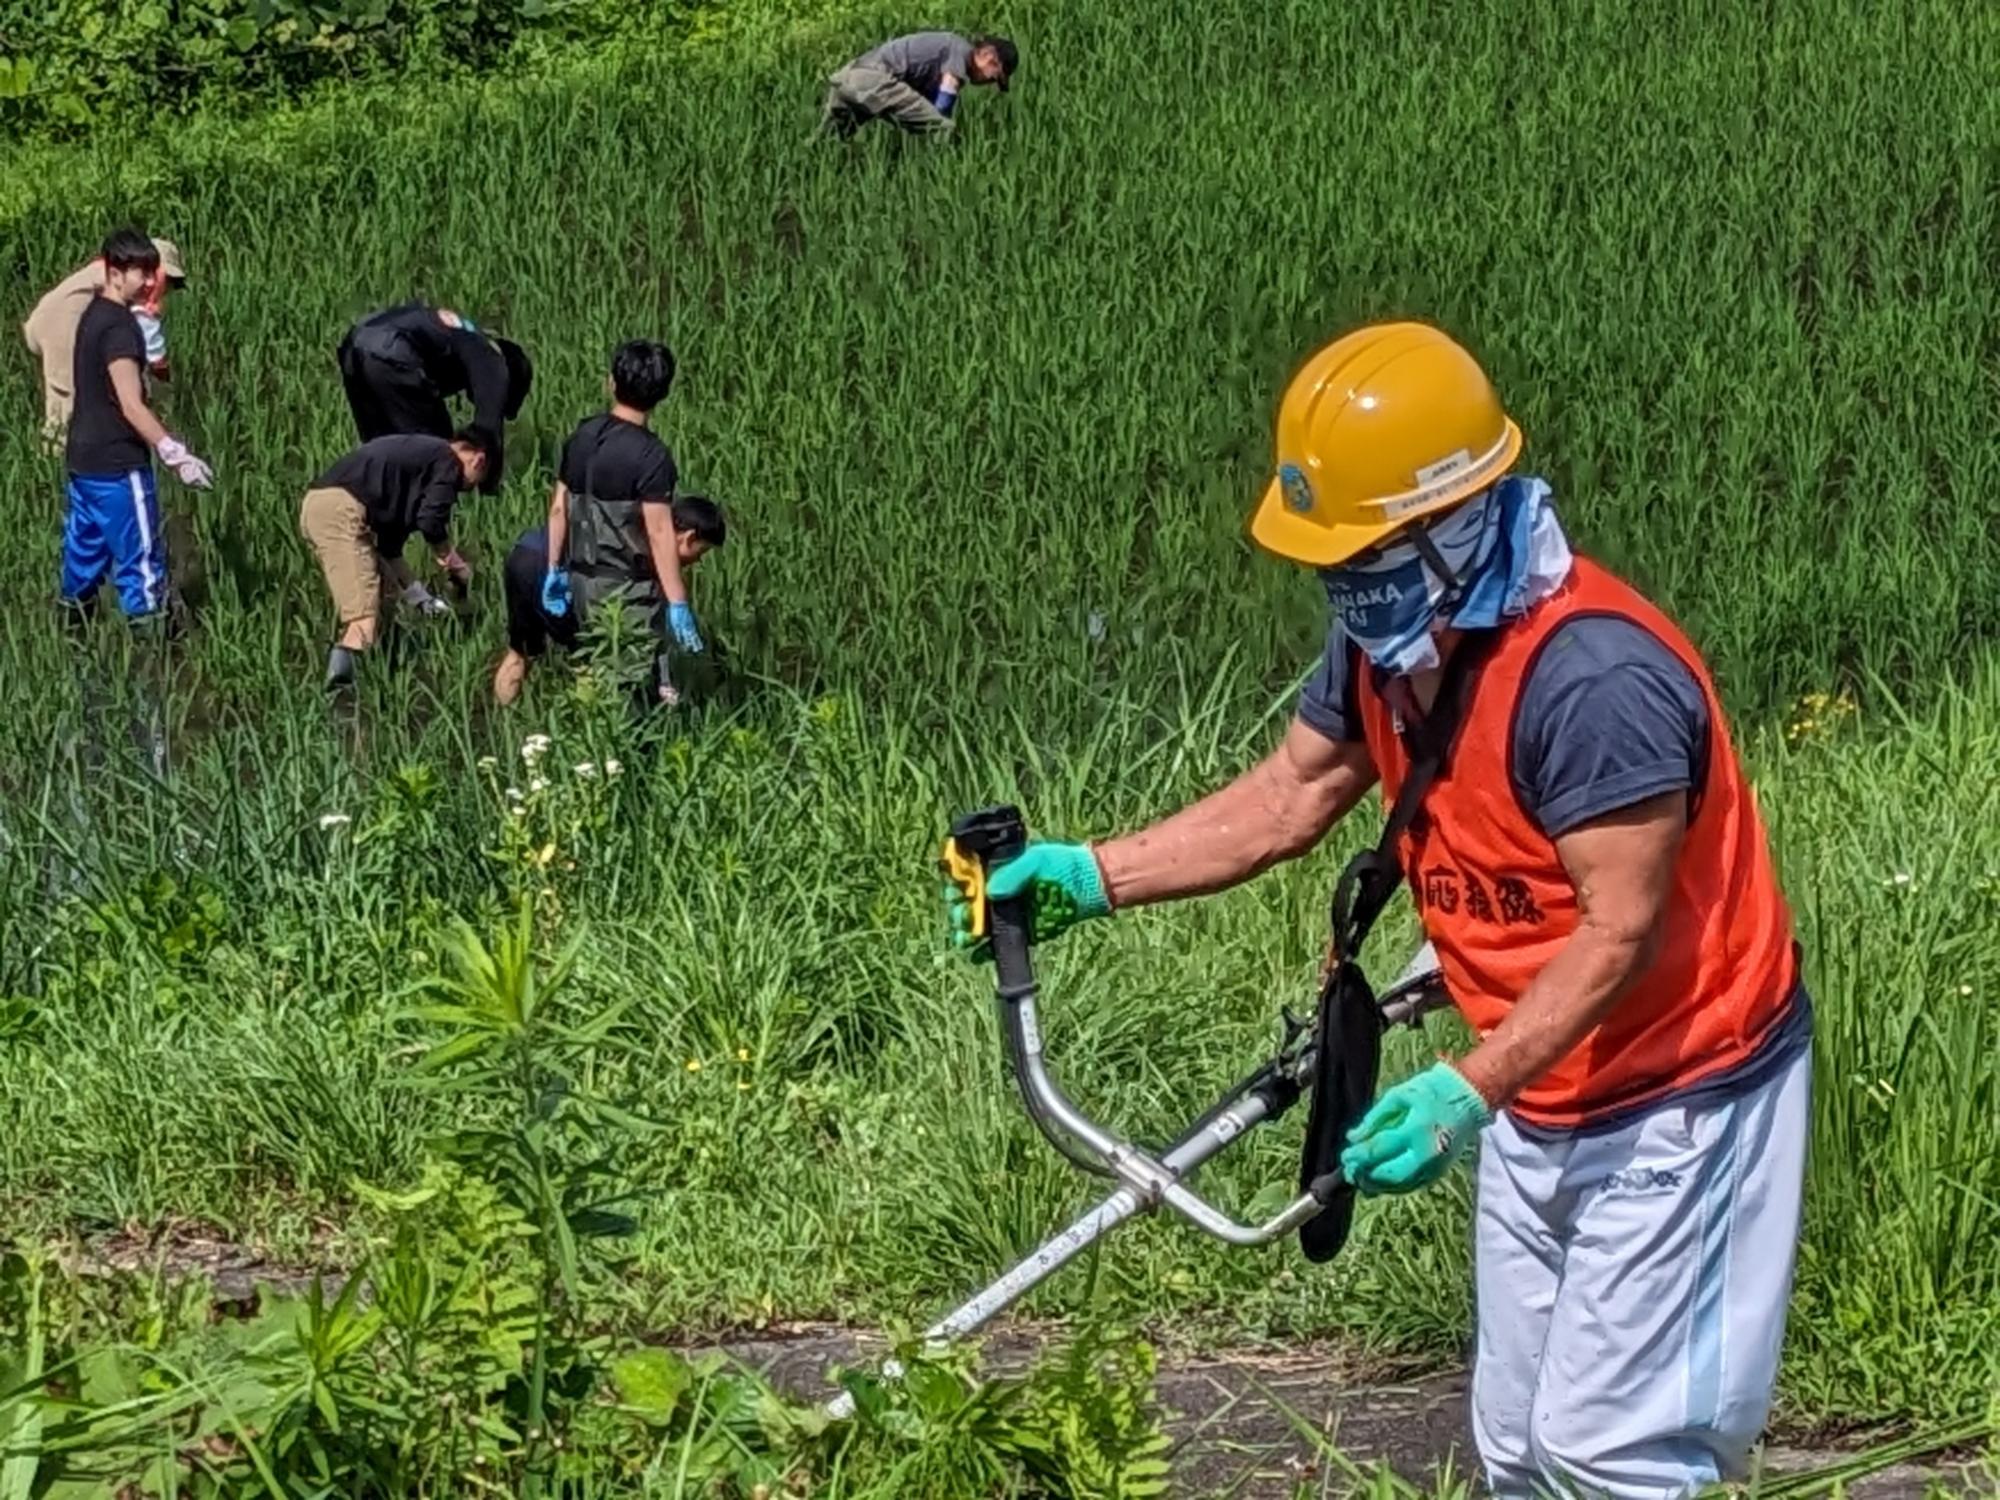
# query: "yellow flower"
{"points": [[694, 1065], [743, 1053]]}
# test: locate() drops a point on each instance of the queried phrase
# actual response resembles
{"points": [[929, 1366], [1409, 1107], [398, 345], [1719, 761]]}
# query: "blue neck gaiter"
{"points": [[1505, 551]]}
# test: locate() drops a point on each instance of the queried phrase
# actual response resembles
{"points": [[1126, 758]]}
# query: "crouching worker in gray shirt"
{"points": [[914, 81]]}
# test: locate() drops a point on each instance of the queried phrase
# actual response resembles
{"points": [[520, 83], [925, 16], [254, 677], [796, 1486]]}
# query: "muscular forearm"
{"points": [[1276, 811], [1575, 990], [1623, 868]]}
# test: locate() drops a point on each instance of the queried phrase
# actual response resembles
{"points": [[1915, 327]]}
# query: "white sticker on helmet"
{"points": [[1450, 464]]}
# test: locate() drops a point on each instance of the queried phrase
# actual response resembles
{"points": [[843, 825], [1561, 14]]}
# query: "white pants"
{"points": [[1631, 1290]]}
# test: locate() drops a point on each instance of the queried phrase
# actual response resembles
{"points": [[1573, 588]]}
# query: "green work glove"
{"points": [[1414, 1132], [1061, 881]]}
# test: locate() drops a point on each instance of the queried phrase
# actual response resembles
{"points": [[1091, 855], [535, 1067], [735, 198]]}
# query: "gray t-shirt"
{"points": [[922, 59], [1608, 717]]}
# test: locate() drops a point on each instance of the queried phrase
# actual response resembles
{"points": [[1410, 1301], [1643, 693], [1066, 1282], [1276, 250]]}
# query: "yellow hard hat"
{"points": [[1386, 424]]}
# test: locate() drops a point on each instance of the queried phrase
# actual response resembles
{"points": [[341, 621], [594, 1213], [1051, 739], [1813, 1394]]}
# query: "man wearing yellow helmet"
{"points": [[1590, 866]]}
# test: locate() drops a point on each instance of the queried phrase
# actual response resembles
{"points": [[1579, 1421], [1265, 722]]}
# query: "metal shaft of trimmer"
{"points": [[1146, 1180], [1061, 1248], [1258, 1098]]}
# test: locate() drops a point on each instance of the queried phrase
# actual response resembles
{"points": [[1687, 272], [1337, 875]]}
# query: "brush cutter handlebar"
{"points": [[994, 835], [1143, 1182]]}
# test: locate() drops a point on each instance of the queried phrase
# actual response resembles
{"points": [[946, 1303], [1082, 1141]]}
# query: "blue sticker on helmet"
{"points": [[1297, 488]]}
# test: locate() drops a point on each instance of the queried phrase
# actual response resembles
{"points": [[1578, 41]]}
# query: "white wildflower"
{"points": [[539, 784], [535, 747], [514, 794], [334, 820], [586, 769], [488, 763], [614, 768], [1902, 877]]}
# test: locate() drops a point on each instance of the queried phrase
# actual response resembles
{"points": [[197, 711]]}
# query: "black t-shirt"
{"points": [[101, 441], [453, 360], [615, 461], [406, 483]]}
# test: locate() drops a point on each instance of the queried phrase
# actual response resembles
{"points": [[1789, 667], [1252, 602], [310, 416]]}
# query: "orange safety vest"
{"points": [[1498, 905]]}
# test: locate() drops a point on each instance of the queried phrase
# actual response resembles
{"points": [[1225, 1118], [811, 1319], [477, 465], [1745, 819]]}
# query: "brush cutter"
{"points": [[1331, 1059]]}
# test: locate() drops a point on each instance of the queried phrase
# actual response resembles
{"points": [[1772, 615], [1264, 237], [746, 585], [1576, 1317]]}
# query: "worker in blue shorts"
{"points": [[111, 528]]}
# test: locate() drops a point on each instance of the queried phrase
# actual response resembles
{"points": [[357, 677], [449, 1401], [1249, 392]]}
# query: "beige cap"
{"points": [[170, 259]]}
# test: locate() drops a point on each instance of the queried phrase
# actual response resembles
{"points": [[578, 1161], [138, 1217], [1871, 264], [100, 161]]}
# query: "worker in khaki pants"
{"points": [[358, 516], [50, 331]]}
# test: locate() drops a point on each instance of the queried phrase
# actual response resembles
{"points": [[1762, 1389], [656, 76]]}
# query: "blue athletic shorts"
{"points": [[113, 529]]}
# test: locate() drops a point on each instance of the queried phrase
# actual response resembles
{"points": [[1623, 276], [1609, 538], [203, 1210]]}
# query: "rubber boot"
{"points": [[339, 668]]}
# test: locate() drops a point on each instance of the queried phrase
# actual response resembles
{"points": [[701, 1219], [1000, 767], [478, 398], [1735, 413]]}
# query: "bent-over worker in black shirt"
{"points": [[399, 365], [359, 514]]}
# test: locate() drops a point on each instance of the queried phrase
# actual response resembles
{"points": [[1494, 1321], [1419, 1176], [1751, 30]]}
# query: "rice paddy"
{"points": [[987, 421]]}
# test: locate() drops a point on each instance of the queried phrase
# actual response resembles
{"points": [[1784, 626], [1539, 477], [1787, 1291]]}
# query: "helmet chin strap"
{"points": [[1454, 586]]}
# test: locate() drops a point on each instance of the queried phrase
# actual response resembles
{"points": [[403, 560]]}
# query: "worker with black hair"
{"points": [[399, 365], [358, 517], [699, 528], [111, 528], [613, 527], [50, 330]]}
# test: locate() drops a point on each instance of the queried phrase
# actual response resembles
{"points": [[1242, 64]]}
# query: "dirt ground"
{"points": [[1233, 1417], [1234, 1414]]}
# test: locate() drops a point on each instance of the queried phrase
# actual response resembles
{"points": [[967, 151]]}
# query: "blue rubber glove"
{"points": [[1061, 881], [680, 622], [1414, 1132], [555, 592]]}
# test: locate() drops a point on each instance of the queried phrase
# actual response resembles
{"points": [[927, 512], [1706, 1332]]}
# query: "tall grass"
{"points": [[986, 420]]}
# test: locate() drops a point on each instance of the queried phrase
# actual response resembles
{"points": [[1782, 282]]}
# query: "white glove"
{"points": [[191, 471], [424, 602], [155, 335]]}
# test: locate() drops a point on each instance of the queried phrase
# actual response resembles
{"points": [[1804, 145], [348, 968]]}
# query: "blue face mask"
{"points": [[1487, 561], [1388, 611]]}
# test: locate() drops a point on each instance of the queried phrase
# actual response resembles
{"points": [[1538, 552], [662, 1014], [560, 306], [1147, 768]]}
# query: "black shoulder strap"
{"points": [[1371, 877], [1347, 1031], [589, 489]]}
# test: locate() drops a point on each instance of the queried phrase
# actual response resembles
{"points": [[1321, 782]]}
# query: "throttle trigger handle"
{"points": [[979, 841], [969, 875]]}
